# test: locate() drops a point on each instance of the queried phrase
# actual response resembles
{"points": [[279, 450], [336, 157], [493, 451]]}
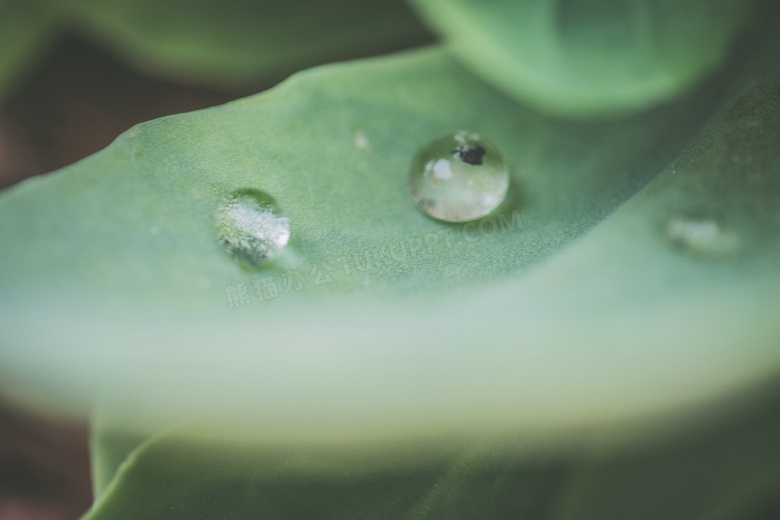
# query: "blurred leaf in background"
{"points": [[589, 58], [25, 30]]}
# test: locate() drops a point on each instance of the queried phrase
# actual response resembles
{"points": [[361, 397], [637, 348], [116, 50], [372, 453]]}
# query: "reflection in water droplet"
{"points": [[702, 235], [458, 178], [251, 227]]}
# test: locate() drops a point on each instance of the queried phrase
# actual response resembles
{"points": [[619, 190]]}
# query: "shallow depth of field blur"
{"points": [[647, 89]]}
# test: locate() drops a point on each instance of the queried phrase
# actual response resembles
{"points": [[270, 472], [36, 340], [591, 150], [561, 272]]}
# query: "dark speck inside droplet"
{"points": [[469, 154], [458, 178]]}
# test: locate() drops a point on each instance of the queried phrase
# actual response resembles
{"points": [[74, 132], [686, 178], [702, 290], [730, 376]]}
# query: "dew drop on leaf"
{"points": [[702, 235], [251, 227], [458, 178]]}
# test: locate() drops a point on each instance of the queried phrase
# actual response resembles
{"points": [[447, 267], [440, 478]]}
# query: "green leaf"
{"points": [[118, 257], [180, 475], [726, 470], [110, 447], [333, 147], [230, 44], [25, 29], [589, 58], [235, 43]]}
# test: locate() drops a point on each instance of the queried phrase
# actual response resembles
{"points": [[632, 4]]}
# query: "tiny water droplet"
{"points": [[458, 178], [251, 226], [361, 141], [702, 235]]}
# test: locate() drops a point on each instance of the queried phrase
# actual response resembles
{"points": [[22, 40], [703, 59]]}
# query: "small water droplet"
{"points": [[251, 226], [702, 235], [458, 178], [361, 141]]}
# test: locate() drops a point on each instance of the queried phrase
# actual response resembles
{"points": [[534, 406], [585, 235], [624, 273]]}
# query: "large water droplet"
{"points": [[251, 227], [458, 178], [702, 235]]}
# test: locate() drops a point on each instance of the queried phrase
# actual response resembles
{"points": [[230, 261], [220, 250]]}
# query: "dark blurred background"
{"points": [[78, 99]]}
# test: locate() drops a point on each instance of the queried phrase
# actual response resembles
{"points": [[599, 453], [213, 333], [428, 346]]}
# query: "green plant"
{"points": [[605, 348]]}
